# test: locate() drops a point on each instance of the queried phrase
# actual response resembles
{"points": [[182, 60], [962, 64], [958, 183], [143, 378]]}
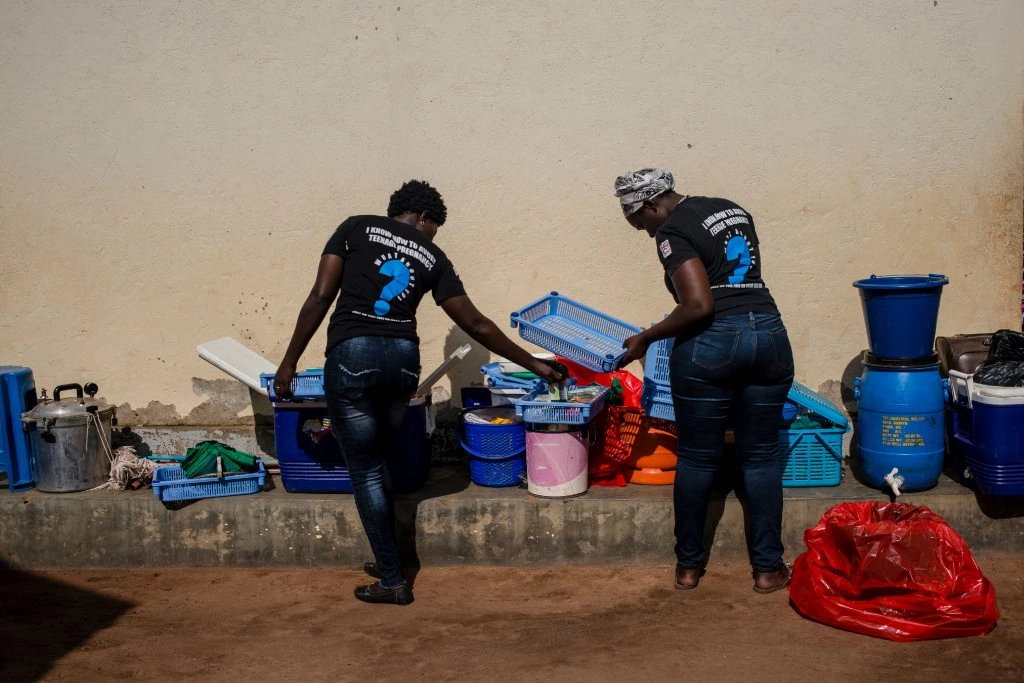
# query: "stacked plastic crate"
{"points": [[579, 333], [560, 431]]}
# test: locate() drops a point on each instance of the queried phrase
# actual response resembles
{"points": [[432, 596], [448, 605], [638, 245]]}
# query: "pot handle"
{"points": [[67, 387]]}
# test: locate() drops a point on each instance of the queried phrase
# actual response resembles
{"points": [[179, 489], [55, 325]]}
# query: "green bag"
{"points": [[201, 460]]}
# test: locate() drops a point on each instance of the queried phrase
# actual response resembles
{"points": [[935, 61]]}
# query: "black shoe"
{"points": [[391, 596], [370, 569]]}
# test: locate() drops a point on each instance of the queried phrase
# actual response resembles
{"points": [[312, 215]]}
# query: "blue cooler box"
{"points": [[988, 434], [310, 458]]}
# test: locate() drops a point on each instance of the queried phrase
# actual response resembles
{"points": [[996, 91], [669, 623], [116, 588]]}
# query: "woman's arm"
{"points": [[695, 307], [482, 329], [312, 313]]}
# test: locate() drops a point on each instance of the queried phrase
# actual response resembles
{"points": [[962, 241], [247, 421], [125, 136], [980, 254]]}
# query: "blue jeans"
{"points": [[368, 382], [738, 371]]}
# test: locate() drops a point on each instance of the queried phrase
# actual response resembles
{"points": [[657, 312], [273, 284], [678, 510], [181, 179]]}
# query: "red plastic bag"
{"points": [[632, 386], [891, 570]]}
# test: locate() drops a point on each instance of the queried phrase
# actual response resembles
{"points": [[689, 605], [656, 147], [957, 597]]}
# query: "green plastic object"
{"points": [[522, 375], [201, 460]]}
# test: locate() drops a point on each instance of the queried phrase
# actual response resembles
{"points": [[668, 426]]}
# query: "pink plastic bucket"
{"points": [[556, 461]]}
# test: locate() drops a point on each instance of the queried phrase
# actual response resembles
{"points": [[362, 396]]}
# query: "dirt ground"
{"points": [[467, 624]]}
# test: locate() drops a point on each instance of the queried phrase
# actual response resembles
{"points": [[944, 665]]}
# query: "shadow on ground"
{"points": [[42, 620], [443, 482]]}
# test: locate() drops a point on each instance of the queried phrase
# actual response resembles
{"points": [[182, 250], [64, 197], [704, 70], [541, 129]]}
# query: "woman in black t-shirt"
{"points": [[731, 364], [379, 268]]}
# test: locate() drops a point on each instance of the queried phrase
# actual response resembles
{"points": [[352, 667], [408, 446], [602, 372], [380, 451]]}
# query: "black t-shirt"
{"points": [[722, 236], [389, 266]]}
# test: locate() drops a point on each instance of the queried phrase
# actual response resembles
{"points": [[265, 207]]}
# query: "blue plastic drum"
{"points": [[901, 423]]}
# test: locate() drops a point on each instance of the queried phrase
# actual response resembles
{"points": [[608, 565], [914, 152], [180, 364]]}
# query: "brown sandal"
{"points": [[787, 568]]}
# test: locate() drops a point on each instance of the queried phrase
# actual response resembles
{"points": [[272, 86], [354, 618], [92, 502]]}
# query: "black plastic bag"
{"points": [[1008, 373], [1007, 345]]}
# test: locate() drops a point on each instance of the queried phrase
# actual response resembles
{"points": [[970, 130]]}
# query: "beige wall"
{"points": [[170, 171]]}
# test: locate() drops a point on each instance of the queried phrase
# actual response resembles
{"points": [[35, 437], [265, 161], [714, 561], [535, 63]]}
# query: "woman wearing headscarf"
{"points": [[731, 364]]}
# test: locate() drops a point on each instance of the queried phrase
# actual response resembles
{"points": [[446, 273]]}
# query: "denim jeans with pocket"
{"points": [[369, 382], [736, 372]]}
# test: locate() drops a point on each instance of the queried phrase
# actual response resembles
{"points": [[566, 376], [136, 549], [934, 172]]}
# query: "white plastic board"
{"points": [[237, 360]]}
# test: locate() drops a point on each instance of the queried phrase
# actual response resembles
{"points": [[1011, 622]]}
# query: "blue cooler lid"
{"points": [[817, 403]]}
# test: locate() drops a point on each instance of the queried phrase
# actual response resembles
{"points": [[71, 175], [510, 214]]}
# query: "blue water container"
{"points": [[901, 312], [17, 453], [901, 422], [988, 435]]}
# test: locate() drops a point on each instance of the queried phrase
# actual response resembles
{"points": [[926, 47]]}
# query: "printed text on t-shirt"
{"points": [[400, 244], [717, 222]]}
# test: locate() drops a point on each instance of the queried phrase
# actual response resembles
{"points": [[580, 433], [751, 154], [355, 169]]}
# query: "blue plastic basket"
{"points": [[498, 380], [487, 441], [496, 473], [656, 362], [308, 384], [656, 400], [574, 331], [171, 484], [559, 412], [815, 457]]}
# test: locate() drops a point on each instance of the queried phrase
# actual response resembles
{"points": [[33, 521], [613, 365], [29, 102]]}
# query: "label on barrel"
{"points": [[894, 431]]}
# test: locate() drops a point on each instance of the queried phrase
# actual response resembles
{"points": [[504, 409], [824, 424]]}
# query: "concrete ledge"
{"points": [[450, 522]]}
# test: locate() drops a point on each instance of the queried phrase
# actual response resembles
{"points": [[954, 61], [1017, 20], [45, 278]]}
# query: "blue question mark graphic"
{"points": [[737, 248], [399, 272]]}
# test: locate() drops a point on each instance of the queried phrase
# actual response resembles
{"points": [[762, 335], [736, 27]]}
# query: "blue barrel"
{"points": [[901, 312], [901, 423]]}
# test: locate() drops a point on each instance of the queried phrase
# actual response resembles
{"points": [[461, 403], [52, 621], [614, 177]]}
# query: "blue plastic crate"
{"points": [[815, 456], [656, 362], [498, 380], [656, 400], [574, 331], [487, 441], [308, 384], [558, 412], [171, 484]]}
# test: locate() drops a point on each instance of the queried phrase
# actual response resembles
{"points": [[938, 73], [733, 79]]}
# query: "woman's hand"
{"points": [[636, 348], [550, 371], [283, 379]]}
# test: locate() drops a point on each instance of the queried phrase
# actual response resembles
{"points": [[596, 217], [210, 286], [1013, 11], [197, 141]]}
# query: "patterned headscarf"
{"points": [[634, 188]]}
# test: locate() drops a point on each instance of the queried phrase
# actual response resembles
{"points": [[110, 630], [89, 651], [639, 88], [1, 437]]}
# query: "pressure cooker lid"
{"points": [[70, 400]]}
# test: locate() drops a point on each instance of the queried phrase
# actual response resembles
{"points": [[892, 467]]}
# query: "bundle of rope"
{"points": [[128, 470]]}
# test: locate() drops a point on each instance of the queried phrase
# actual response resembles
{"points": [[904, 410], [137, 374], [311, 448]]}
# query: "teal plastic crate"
{"points": [[815, 457]]}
